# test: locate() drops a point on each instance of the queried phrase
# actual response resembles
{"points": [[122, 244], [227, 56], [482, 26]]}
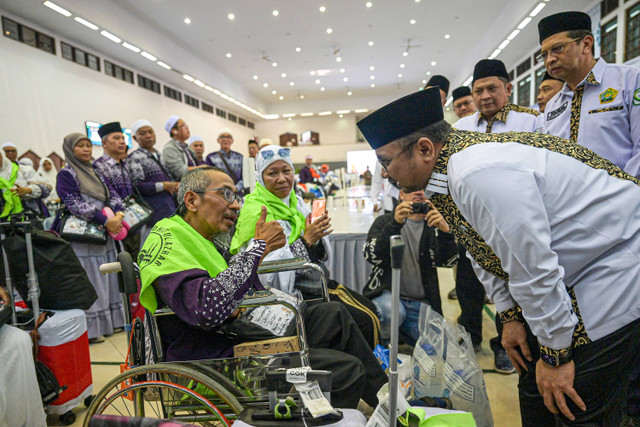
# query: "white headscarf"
{"points": [[50, 176], [268, 155]]}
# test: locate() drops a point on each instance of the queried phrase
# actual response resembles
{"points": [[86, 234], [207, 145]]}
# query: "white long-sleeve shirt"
{"points": [[382, 185], [608, 118], [510, 118], [554, 222]]}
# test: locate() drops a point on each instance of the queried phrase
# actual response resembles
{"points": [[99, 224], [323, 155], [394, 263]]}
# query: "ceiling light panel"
{"points": [[86, 23], [149, 56], [60, 10], [131, 47], [111, 37]]}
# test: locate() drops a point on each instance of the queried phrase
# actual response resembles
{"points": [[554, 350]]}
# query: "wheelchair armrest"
{"points": [[294, 264], [258, 298]]}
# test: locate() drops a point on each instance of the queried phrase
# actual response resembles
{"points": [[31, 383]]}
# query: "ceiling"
{"points": [[237, 56]]}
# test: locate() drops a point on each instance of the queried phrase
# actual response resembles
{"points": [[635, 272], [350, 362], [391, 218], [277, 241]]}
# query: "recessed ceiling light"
{"points": [[306, 114], [228, 55], [291, 83], [265, 84], [313, 73], [281, 98], [405, 53], [342, 70], [373, 85], [341, 116], [255, 77], [368, 4], [275, 13], [324, 113], [537, 10], [322, 89], [163, 65], [338, 59], [372, 77], [428, 73], [188, 77], [424, 82], [370, 43], [524, 23], [343, 111], [131, 47], [329, 30], [323, 9], [495, 53], [433, 63], [317, 81], [399, 76], [349, 93], [503, 44], [86, 23], [57, 8], [283, 75], [447, 36], [302, 97], [274, 64], [231, 16], [288, 115], [149, 56], [361, 110], [417, 1], [412, 22], [371, 68], [210, 89], [199, 83], [187, 21], [345, 79], [298, 49], [110, 36], [401, 65], [273, 92], [513, 34]]}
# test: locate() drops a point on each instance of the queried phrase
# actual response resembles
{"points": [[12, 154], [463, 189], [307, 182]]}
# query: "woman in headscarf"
{"points": [[48, 171], [28, 185], [307, 240], [84, 195], [10, 202]]}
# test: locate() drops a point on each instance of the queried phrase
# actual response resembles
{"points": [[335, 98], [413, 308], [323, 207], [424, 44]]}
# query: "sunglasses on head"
{"points": [[282, 152]]}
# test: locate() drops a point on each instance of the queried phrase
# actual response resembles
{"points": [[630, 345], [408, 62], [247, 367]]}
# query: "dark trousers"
{"points": [[603, 369], [633, 408], [471, 295], [356, 372]]}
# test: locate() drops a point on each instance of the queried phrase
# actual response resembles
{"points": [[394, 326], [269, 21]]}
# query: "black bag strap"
{"points": [[231, 174]]}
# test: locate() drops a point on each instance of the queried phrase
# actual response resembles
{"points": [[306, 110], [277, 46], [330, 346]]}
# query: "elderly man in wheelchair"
{"points": [[180, 267]]}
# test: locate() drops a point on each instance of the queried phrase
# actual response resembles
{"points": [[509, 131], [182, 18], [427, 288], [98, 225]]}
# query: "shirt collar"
{"points": [[501, 115], [594, 77], [110, 160]]}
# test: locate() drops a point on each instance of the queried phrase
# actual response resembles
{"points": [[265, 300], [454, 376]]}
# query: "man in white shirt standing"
{"points": [[554, 232], [463, 103], [548, 88], [490, 90], [599, 105]]}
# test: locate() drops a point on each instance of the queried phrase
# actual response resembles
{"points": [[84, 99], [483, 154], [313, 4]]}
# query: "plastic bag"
{"points": [[444, 365]]}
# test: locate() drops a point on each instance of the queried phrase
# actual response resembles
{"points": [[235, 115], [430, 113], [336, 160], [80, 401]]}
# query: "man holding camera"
{"points": [[423, 229]]}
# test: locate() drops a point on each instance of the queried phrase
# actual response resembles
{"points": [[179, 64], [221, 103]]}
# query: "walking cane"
{"points": [[397, 249]]}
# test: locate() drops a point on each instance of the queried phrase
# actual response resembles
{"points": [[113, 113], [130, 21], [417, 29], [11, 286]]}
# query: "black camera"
{"points": [[421, 208]]}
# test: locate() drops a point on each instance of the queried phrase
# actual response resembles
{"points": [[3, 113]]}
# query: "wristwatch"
{"points": [[555, 358]]}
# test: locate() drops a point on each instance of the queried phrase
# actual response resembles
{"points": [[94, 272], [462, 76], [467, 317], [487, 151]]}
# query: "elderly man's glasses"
{"points": [[283, 152], [387, 162], [229, 195], [555, 50]]}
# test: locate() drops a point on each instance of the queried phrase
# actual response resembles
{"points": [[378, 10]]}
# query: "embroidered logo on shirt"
{"points": [[636, 97], [157, 251], [555, 113], [608, 96]]}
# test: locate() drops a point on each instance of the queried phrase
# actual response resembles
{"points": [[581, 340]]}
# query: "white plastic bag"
{"points": [[444, 365]]}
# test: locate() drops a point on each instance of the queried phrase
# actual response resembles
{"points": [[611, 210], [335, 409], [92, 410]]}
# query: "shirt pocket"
{"points": [[604, 110]]}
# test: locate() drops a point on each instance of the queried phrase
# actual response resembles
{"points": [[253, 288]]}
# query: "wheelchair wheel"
{"points": [[166, 391]]}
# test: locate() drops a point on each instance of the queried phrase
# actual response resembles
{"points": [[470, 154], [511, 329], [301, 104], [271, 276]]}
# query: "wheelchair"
{"points": [[204, 392]]}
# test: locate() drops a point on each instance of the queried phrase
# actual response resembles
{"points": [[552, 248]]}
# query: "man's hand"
{"points": [[171, 187], [4, 296], [20, 191], [114, 224], [271, 232], [314, 231], [554, 383], [435, 219], [403, 210], [513, 336]]}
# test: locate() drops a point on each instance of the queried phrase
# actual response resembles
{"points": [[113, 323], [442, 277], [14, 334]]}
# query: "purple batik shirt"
{"points": [[115, 173], [148, 172], [82, 205], [202, 303]]}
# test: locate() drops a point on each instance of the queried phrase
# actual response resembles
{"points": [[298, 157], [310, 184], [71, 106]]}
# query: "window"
{"points": [[523, 67], [147, 83], [172, 93], [539, 76], [608, 41], [524, 92], [221, 113], [18, 32], [206, 107], [511, 75], [250, 125], [608, 6], [79, 56], [190, 100], [632, 45], [242, 121], [118, 72], [232, 117]]}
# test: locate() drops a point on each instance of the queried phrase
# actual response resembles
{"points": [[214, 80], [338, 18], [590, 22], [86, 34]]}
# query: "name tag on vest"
{"points": [[555, 113]]}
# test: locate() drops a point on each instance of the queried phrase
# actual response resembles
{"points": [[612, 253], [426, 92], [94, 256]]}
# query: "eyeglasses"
{"points": [[387, 162], [283, 152], [229, 195], [555, 50]]}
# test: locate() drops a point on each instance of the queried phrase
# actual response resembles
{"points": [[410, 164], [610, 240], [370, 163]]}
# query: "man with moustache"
{"points": [[176, 153], [226, 159], [463, 104], [548, 88]]}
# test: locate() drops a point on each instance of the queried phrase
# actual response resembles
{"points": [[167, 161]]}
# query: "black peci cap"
{"points": [[548, 76], [489, 68], [108, 128], [402, 117], [460, 92], [560, 22], [441, 81]]}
